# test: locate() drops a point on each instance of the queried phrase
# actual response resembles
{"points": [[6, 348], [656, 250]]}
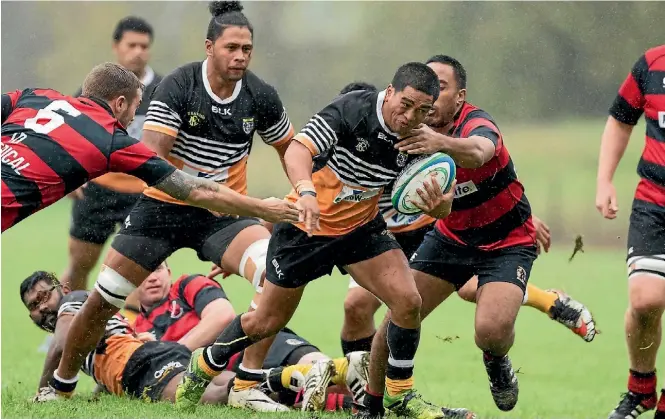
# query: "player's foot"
{"points": [[633, 405], [316, 383], [574, 315], [457, 413], [192, 385], [411, 405], [503, 381], [357, 374], [254, 399], [47, 394]]}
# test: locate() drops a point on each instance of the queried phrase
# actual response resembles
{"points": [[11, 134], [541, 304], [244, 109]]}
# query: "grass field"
{"points": [[560, 375]]}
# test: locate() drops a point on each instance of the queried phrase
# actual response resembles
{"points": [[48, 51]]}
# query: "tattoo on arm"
{"points": [[179, 185]]}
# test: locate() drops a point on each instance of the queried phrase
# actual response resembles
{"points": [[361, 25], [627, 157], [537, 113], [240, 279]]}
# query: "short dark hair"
{"points": [[460, 72], [418, 76], [28, 283], [357, 85], [132, 24], [225, 14], [108, 81]]}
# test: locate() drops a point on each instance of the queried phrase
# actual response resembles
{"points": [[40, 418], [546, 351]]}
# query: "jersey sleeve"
{"points": [[9, 103], [273, 124], [72, 303], [167, 106], [629, 103], [130, 156], [200, 291], [480, 124], [322, 131]]}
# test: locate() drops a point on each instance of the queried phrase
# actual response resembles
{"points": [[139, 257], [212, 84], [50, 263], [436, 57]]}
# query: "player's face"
{"points": [[156, 287], [405, 110], [132, 51], [125, 110], [42, 302], [450, 96], [231, 52]]}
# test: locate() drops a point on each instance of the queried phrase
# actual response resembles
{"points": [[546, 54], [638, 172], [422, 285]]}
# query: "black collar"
{"points": [[100, 102]]}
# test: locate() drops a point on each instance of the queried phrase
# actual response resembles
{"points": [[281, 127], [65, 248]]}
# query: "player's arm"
{"points": [[8, 103], [273, 124], [613, 145], [165, 112], [55, 349], [215, 311]]}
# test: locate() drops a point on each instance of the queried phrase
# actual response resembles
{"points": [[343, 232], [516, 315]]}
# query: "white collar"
{"points": [[379, 113], [148, 76], [206, 83]]}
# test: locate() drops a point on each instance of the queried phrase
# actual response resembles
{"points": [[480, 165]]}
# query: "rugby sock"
{"points": [[363, 344], [287, 374], [337, 401], [642, 382], [62, 387], [341, 368], [247, 378], [660, 407], [540, 299], [402, 346], [232, 340], [373, 402]]}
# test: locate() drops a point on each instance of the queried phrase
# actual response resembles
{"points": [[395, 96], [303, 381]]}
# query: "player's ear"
{"points": [[390, 91], [209, 47], [461, 95]]}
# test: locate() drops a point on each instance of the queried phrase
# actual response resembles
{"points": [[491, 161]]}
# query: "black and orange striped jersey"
{"points": [[107, 362], [398, 222], [354, 160], [214, 135]]}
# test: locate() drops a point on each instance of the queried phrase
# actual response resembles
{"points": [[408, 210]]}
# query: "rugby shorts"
{"points": [[154, 229], [444, 258], [151, 367], [294, 259], [646, 239], [95, 217]]}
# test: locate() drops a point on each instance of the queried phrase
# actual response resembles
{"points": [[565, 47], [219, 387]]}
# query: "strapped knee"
{"points": [[113, 287], [253, 263], [646, 265]]}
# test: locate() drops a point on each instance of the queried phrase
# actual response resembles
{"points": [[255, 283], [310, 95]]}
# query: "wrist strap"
{"points": [[312, 193], [305, 186]]}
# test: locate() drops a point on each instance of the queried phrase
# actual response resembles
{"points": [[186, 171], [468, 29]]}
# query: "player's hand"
{"points": [[146, 337], [421, 140], [606, 200], [543, 237], [433, 201], [310, 213], [77, 193], [216, 270], [278, 210]]}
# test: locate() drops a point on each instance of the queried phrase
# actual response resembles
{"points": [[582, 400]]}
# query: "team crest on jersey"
{"points": [[248, 125], [362, 145], [194, 118], [294, 342], [521, 275], [401, 159]]}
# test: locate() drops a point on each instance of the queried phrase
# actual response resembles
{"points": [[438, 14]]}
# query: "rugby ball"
{"points": [[438, 165]]}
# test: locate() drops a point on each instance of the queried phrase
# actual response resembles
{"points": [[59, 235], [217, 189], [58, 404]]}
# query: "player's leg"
{"points": [[558, 306], [646, 296], [83, 255], [358, 329]]}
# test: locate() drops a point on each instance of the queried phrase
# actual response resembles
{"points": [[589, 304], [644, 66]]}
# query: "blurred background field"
{"points": [[546, 71]]}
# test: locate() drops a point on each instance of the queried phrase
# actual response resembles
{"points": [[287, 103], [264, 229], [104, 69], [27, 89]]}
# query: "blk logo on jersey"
{"points": [[221, 111], [248, 125]]}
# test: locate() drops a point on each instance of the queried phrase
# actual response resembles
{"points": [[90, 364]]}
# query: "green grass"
{"points": [[561, 376]]}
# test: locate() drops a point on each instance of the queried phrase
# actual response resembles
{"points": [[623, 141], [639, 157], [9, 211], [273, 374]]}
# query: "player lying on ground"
{"points": [[642, 92], [125, 363], [202, 117], [339, 164], [360, 305]]}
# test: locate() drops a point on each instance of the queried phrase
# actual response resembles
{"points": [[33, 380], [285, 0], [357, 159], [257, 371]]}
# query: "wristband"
{"points": [[312, 193], [305, 185]]}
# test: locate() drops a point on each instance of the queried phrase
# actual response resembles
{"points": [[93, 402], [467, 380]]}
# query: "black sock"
{"points": [[63, 386], [362, 344], [232, 340], [250, 375], [402, 344], [373, 403]]}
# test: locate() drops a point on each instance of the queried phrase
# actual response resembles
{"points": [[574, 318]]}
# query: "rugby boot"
{"points": [[192, 385], [254, 399], [574, 315], [633, 405], [357, 374], [410, 404], [457, 413], [316, 384], [503, 381]]}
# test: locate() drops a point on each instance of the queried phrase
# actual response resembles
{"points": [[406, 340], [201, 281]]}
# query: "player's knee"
{"points": [[647, 295], [253, 263], [408, 306], [495, 331], [358, 307], [257, 326], [113, 287]]}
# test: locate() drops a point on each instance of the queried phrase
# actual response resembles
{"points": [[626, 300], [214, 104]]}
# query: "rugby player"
{"points": [[339, 164], [409, 231], [642, 92], [126, 363], [97, 207], [202, 118]]}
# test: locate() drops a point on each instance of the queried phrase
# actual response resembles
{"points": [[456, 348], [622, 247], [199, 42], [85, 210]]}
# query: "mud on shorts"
{"points": [[444, 258], [155, 229], [96, 216], [151, 367], [646, 239]]}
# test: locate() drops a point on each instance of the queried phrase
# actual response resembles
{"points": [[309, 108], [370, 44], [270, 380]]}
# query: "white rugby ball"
{"points": [[438, 165]]}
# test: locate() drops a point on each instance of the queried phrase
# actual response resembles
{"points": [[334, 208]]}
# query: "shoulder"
{"points": [[471, 112], [356, 106], [262, 91], [656, 55], [183, 74], [71, 303]]}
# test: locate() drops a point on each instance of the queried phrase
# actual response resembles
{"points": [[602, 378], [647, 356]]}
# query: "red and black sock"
{"points": [[642, 383], [660, 407]]}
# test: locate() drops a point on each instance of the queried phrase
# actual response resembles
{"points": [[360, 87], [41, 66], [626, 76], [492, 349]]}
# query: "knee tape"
{"points": [[253, 263], [113, 287], [646, 265]]}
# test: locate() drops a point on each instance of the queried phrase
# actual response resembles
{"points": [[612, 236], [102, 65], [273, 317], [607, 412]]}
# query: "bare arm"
{"points": [[214, 319], [55, 350], [468, 153], [158, 142], [281, 151], [612, 146], [298, 162]]}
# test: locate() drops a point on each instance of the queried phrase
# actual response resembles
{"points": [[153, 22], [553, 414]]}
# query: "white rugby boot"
{"points": [[254, 399], [316, 384], [357, 374]]}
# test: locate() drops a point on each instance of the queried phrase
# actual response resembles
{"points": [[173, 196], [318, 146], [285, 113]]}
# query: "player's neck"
{"points": [[140, 74], [220, 86]]}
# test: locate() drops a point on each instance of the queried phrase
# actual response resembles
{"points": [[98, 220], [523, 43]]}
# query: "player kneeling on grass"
{"points": [[125, 363]]}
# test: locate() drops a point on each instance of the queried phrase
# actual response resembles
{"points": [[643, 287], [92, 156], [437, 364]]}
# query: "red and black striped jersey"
{"points": [[180, 311], [643, 92], [52, 144], [490, 210]]}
